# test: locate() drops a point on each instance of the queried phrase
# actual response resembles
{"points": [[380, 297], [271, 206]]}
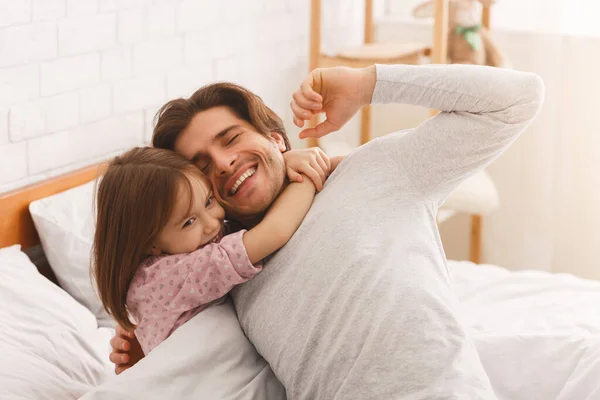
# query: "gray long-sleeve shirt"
{"points": [[358, 304]]}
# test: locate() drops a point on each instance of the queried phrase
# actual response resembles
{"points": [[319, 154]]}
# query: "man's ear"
{"points": [[278, 139], [154, 251]]}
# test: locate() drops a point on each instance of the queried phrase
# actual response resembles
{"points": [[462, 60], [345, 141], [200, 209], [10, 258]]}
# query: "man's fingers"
{"points": [[318, 131], [119, 358], [304, 102], [298, 122], [309, 132], [300, 112], [307, 90], [120, 331], [118, 343], [118, 370]]}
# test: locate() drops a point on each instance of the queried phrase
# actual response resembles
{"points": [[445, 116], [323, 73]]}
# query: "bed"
{"points": [[537, 334]]}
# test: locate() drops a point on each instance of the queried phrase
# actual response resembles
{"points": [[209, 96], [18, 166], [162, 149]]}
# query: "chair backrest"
{"points": [[485, 17], [440, 40], [315, 29], [439, 50]]}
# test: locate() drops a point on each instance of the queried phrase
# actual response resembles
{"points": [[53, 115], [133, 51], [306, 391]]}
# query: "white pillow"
{"points": [[65, 224], [50, 346]]}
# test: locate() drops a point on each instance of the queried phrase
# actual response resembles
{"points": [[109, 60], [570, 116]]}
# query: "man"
{"points": [[358, 304]]}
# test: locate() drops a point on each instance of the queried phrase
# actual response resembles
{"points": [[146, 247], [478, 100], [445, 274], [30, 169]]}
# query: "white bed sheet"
{"points": [[538, 336]]}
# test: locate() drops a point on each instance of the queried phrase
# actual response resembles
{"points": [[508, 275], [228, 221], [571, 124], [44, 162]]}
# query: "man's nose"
{"points": [[224, 163]]}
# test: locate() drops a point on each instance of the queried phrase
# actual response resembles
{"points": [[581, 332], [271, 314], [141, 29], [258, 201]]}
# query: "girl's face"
{"points": [[189, 229]]}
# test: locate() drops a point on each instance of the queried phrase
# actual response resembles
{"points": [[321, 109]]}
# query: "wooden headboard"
{"points": [[16, 225]]}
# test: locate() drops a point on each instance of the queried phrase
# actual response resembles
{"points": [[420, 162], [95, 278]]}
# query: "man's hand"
{"points": [[338, 92], [313, 163], [126, 350]]}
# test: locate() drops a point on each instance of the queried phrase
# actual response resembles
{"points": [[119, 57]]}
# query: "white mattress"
{"points": [[537, 334]]}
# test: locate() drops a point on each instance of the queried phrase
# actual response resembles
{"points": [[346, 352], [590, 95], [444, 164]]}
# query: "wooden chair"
{"points": [[403, 53], [373, 53]]}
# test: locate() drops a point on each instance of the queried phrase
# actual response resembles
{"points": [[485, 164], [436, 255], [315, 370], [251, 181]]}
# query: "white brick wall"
{"points": [[13, 162], [43, 116], [81, 7], [47, 10], [70, 73], [197, 15], [95, 103], [81, 80], [116, 64], [184, 81], [19, 84], [17, 12], [160, 21], [28, 43], [131, 26], [82, 34], [157, 54], [3, 126], [139, 92]]}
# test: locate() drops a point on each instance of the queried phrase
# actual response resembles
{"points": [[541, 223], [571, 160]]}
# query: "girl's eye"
{"points": [[210, 200], [189, 222]]}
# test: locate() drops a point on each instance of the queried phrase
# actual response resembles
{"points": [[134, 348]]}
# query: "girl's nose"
{"points": [[210, 224]]}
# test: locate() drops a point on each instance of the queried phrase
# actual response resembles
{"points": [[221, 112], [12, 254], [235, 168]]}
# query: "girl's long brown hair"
{"points": [[135, 198]]}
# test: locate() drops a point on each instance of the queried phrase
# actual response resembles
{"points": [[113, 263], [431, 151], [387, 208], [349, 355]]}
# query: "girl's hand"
{"points": [[313, 163]]}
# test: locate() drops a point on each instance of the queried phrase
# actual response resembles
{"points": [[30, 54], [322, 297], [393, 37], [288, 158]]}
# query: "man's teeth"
{"points": [[241, 179]]}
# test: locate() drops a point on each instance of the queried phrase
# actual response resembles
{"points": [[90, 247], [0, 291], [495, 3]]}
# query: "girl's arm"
{"points": [[335, 161], [281, 221], [182, 282]]}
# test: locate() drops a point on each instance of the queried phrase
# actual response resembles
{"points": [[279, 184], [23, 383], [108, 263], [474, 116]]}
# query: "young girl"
{"points": [[162, 253]]}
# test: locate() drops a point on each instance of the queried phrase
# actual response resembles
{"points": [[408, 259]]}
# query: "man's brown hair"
{"points": [[176, 115], [135, 199]]}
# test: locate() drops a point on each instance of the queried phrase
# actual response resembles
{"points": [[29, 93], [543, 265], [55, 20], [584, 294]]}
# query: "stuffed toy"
{"points": [[469, 42]]}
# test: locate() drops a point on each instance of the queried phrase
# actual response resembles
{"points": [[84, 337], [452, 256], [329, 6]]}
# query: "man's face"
{"points": [[245, 167]]}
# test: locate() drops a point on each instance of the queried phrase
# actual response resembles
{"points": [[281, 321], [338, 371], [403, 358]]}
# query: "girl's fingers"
{"points": [[293, 176]]}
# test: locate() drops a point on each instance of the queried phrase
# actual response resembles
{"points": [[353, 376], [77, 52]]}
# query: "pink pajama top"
{"points": [[168, 290]]}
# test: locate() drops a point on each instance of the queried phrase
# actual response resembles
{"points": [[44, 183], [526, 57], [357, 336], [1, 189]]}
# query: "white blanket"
{"points": [[207, 358], [538, 336]]}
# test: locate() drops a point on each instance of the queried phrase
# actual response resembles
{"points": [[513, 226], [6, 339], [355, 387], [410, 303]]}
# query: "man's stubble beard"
{"points": [[277, 182]]}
